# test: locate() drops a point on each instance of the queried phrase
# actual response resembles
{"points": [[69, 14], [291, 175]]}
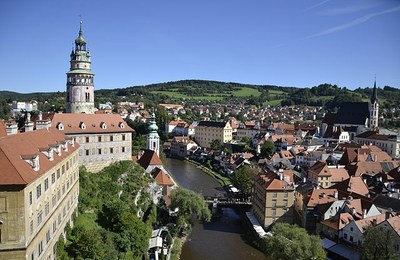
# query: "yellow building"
{"points": [[39, 188], [273, 198], [208, 131]]}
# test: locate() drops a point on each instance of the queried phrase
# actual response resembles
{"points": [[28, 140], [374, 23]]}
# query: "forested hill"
{"points": [[327, 95]]}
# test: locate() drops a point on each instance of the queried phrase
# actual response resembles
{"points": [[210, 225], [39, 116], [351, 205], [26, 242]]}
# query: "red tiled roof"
{"points": [[3, 131], [15, 170], [149, 157], [72, 123], [161, 178]]}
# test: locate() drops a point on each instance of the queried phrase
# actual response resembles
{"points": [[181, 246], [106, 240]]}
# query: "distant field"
{"points": [[246, 92], [276, 102], [242, 92]]}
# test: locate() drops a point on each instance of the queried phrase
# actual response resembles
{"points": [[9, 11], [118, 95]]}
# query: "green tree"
{"points": [[189, 203], [379, 243], [292, 242], [267, 149], [215, 144], [86, 244], [244, 178]]}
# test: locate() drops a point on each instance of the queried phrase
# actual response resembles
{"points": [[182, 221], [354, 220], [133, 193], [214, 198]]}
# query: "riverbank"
{"points": [[222, 180], [223, 237]]}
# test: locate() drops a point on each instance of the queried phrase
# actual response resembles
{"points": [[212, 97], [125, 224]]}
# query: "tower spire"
{"points": [[374, 97]]}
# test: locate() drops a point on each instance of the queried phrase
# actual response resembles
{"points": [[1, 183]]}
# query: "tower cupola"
{"points": [[80, 78]]}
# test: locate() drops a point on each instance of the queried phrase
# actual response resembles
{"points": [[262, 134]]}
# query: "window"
{"points": [[53, 178], [54, 226], [47, 236], [285, 194], [99, 138], [33, 255], [46, 184], [53, 201], [87, 152], [63, 169], [351, 229], [46, 209], [63, 189], [123, 149], [40, 247], [39, 217], [58, 174], [285, 203], [31, 227], [274, 195], [123, 137], [87, 139], [67, 166], [38, 191], [58, 195], [351, 238], [273, 212], [345, 235], [111, 138], [274, 203], [111, 150], [30, 198]]}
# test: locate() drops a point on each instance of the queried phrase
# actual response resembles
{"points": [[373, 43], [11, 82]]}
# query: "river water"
{"points": [[221, 238]]}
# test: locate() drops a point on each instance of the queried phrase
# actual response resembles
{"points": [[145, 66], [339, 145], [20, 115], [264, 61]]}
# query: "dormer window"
{"points": [[48, 152], [103, 125], [60, 126], [121, 125], [82, 125], [32, 160]]}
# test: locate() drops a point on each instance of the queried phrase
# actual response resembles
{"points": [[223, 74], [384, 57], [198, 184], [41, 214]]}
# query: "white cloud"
{"points": [[353, 23]]}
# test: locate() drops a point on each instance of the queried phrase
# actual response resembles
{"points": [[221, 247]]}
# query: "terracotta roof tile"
{"points": [[148, 158], [72, 123], [15, 170]]}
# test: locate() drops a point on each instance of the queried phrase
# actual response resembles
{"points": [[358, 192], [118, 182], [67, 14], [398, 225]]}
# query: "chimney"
{"points": [[336, 194], [364, 213], [388, 213], [11, 128], [304, 179], [353, 211]]}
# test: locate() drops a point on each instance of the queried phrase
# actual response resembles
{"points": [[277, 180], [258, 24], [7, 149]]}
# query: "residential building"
{"points": [[388, 143], [182, 146], [273, 198], [104, 138], [39, 188], [393, 224], [208, 131]]}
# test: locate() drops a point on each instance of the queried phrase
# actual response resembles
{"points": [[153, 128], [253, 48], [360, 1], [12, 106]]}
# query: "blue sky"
{"points": [[289, 43]]}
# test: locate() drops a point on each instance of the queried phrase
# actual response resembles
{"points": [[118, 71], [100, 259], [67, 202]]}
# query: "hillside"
{"points": [[327, 95]]}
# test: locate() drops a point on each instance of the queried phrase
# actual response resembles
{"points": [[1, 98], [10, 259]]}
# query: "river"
{"points": [[221, 238]]}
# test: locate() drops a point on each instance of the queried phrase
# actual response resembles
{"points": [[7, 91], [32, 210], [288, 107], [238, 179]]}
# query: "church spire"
{"points": [[374, 97]]}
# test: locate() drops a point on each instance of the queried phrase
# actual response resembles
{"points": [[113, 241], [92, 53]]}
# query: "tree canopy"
{"points": [[292, 242], [244, 178], [189, 203], [379, 243], [267, 149]]}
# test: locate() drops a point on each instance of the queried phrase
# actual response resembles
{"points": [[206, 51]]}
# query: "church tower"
{"points": [[153, 139], [374, 109], [80, 88]]}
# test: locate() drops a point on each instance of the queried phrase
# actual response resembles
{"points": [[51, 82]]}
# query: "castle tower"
{"points": [[80, 88], [374, 109], [153, 139]]}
